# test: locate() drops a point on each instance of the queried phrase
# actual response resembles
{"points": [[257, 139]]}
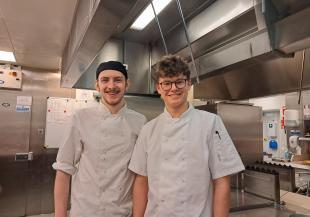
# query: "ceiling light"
{"points": [[7, 56], [148, 15]]}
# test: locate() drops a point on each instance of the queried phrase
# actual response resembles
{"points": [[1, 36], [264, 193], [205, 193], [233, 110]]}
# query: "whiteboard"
{"points": [[58, 112]]}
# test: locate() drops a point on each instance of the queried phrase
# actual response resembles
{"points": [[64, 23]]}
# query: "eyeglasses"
{"points": [[167, 85]]}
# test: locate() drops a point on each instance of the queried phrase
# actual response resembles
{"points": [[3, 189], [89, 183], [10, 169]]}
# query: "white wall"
{"points": [[269, 103], [271, 107]]}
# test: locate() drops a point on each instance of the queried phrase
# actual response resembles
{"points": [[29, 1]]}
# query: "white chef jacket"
{"points": [[96, 150], [180, 157]]}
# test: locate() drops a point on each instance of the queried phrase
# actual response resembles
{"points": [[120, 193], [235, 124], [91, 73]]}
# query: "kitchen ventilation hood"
{"points": [[261, 59], [94, 24], [108, 35], [243, 48], [257, 52]]}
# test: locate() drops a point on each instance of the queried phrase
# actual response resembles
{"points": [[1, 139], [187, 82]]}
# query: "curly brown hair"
{"points": [[170, 66]]}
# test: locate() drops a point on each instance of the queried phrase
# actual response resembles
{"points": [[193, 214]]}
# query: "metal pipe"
{"points": [[263, 6], [301, 75], [150, 70], [158, 24], [187, 39]]}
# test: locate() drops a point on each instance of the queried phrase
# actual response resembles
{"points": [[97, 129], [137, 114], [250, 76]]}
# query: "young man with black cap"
{"points": [[96, 150], [182, 158]]}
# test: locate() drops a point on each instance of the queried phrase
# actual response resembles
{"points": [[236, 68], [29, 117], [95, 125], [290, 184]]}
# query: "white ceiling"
{"points": [[36, 30]]}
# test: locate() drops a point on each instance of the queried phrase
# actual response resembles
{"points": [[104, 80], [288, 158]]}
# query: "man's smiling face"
{"points": [[112, 85]]}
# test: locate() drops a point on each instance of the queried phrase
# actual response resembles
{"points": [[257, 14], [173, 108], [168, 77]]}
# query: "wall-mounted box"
{"points": [[10, 77]]}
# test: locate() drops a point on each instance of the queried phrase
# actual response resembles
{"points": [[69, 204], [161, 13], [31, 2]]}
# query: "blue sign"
{"points": [[22, 108]]}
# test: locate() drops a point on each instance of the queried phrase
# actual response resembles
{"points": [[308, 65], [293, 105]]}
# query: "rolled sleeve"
{"points": [[70, 148], [67, 168], [223, 158], [138, 162]]}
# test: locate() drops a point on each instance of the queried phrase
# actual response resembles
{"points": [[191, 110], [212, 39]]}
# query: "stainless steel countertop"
{"points": [[248, 205], [242, 200], [262, 212]]}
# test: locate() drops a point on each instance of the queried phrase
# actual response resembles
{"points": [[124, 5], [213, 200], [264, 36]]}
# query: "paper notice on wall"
{"points": [[23, 103], [307, 112], [58, 110], [24, 100]]}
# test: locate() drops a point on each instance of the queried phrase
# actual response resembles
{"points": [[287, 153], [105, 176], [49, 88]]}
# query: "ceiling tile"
{"points": [[38, 61], [38, 30], [5, 44]]}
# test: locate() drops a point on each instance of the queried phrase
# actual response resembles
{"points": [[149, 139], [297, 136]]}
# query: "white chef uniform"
{"points": [[96, 150], [180, 157]]}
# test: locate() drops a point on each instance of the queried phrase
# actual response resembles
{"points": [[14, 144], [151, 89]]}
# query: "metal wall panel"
{"points": [[245, 127], [244, 124], [14, 138], [40, 178], [119, 50], [149, 106], [12, 187], [137, 58], [26, 188], [112, 50]]}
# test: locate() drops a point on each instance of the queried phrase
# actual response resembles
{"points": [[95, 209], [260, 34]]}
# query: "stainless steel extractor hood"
{"points": [[243, 48], [265, 60], [246, 49], [105, 40], [94, 23]]}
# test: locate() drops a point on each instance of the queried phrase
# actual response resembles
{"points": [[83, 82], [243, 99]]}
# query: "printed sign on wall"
{"points": [[10, 77]]}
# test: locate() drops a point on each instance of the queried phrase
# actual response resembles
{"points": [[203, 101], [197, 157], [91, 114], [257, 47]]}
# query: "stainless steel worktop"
{"points": [[242, 200], [262, 212], [244, 204], [248, 205]]}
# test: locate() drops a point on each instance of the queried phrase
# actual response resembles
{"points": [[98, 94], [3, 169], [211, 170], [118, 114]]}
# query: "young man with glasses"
{"points": [[184, 157], [96, 150]]}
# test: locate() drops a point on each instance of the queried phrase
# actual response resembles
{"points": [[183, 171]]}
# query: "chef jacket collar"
{"points": [[184, 115], [106, 112]]}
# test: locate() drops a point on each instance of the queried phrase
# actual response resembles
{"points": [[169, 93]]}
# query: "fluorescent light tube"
{"points": [[7, 56], [148, 15]]}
